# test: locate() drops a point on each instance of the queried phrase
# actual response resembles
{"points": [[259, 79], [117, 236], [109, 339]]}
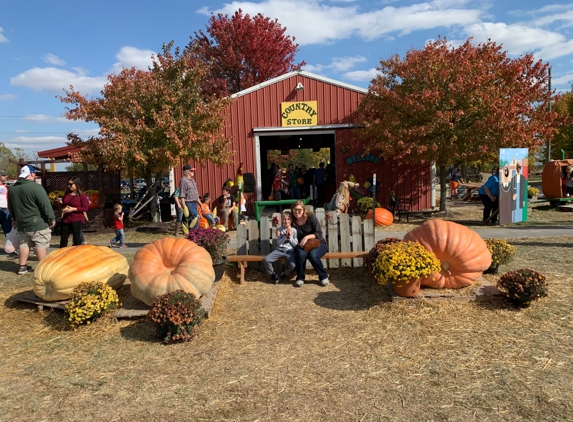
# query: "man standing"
{"points": [[227, 207], [5, 220], [320, 177], [294, 186], [32, 215], [189, 195]]}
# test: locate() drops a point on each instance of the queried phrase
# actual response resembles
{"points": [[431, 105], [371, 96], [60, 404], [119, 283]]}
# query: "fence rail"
{"points": [[342, 234]]}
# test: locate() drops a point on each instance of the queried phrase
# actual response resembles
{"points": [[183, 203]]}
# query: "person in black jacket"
{"points": [[308, 227]]}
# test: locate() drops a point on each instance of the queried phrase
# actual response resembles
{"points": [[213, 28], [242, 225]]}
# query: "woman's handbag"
{"points": [[311, 244]]}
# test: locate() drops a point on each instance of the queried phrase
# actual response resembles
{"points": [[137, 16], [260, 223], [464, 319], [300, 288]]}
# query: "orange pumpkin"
{"points": [[170, 264], [204, 223], [271, 197], [383, 217], [463, 254], [62, 270]]}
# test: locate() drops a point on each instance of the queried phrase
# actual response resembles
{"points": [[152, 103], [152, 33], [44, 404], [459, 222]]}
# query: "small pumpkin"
{"points": [[170, 264], [462, 252], [62, 270], [383, 217], [271, 197]]}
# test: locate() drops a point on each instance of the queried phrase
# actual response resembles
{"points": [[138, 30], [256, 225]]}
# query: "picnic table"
{"points": [[260, 205], [470, 187]]}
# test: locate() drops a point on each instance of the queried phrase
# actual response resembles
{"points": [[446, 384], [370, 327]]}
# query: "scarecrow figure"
{"points": [[341, 199]]}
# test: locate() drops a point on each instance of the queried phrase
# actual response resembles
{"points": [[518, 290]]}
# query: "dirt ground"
{"points": [[343, 352]]}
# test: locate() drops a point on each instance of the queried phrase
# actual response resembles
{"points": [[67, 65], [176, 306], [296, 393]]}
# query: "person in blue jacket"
{"points": [[489, 195]]}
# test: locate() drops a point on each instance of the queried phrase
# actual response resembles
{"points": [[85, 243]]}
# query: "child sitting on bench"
{"points": [[286, 241]]}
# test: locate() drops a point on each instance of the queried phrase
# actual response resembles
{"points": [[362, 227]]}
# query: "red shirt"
{"points": [[117, 223], [76, 201]]}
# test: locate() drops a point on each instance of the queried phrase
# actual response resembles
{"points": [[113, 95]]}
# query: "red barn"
{"points": [[300, 110]]}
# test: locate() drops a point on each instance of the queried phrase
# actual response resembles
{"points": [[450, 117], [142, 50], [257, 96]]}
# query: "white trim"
{"points": [[297, 129], [300, 73], [259, 193]]}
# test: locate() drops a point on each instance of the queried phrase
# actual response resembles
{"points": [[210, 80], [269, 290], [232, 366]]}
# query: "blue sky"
{"points": [[47, 46]]}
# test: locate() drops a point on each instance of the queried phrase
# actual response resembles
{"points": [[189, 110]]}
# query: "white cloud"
{"points": [[566, 79], [44, 118], [341, 64], [36, 143], [53, 59], [301, 18], [361, 75], [52, 79], [7, 97], [2, 37], [132, 57], [520, 39], [55, 80]]}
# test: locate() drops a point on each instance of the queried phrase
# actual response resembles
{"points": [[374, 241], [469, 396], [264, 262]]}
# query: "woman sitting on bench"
{"points": [[308, 227]]}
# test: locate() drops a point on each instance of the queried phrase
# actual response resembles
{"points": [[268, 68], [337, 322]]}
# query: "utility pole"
{"points": [[548, 147]]}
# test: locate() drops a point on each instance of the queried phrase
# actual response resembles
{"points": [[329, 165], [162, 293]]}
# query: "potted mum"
{"points": [[215, 242], [375, 251], [501, 254], [365, 204], [404, 264], [532, 192], [523, 286]]}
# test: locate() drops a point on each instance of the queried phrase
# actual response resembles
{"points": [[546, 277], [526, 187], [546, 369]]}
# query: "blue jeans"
{"points": [[119, 237], [314, 258], [295, 192], [5, 220], [192, 213]]}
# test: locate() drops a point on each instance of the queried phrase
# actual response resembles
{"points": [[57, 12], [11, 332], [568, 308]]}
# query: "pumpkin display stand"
{"points": [[481, 290], [134, 308]]}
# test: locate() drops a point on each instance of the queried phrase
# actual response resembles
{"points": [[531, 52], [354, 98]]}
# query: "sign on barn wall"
{"points": [[301, 113]]}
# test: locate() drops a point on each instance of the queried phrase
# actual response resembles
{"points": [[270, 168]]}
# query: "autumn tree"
{"points": [[149, 119], [243, 51], [448, 104], [563, 139], [8, 156]]}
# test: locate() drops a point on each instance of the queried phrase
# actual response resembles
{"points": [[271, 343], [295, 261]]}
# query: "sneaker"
{"points": [[24, 269], [275, 278], [299, 283], [324, 282], [123, 245]]}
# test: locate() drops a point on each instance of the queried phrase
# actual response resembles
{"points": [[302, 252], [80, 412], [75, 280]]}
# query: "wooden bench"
{"points": [[243, 260]]}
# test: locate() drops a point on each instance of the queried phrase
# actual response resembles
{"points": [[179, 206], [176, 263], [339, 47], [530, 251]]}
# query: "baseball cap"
{"points": [[26, 171], [3, 173], [188, 167]]}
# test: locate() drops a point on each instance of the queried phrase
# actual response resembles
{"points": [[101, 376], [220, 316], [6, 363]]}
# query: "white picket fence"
{"points": [[342, 234]]}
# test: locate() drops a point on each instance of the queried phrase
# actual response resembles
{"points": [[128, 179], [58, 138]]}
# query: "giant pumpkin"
{"points": [[170, 264], [62, 270], [383, 217], [463, 254]]}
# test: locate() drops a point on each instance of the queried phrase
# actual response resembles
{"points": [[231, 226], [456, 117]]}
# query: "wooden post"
{"points": [[345, 237], [357, 240], [333, 239], [253, 241]]}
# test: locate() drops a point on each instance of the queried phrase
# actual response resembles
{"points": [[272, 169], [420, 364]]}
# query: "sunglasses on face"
{"points": [[71, 184]]}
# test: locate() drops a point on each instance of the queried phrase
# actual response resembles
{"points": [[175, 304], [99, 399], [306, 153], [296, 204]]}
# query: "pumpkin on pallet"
{"points": [[62, 270], [170, 264], [383, 217], [463, 254]]}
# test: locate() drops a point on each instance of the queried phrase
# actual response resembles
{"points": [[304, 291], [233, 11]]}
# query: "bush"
{"points": [[365, 204], [379, 247], [404, 261], [501, 251], [213, 240], [523, 286], [90, 300], [176, 314]]}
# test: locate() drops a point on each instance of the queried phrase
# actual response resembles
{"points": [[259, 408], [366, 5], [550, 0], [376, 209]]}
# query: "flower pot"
{"points": [[407, 288], [492, 270], [220, 268]]}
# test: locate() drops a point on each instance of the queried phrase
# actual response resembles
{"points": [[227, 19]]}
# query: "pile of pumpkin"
{"points": [[160, 267], [462, 253]]}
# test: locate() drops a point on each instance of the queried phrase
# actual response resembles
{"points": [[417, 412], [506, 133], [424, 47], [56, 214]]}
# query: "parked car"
{"points": [[139, 183], [124, 184]]}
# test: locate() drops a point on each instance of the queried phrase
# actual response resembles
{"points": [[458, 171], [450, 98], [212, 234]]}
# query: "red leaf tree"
{"points": [[457, 105], [243, 51], [149, 119]]}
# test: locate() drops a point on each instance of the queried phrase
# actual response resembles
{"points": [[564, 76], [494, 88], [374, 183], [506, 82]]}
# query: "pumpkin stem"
{"points": [[446, 267]]}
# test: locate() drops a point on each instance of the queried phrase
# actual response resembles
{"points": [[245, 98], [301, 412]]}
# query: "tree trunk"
{"points": [[444, 179]]}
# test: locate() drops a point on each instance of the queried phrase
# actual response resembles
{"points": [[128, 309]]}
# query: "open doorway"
{"points": [[297, 148]]}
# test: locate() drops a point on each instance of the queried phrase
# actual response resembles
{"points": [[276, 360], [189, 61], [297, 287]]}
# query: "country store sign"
{"points": [[299, 114]]}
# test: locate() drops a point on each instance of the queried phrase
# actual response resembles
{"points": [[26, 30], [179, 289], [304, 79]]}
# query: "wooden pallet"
{"points": [[485, 290]]}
